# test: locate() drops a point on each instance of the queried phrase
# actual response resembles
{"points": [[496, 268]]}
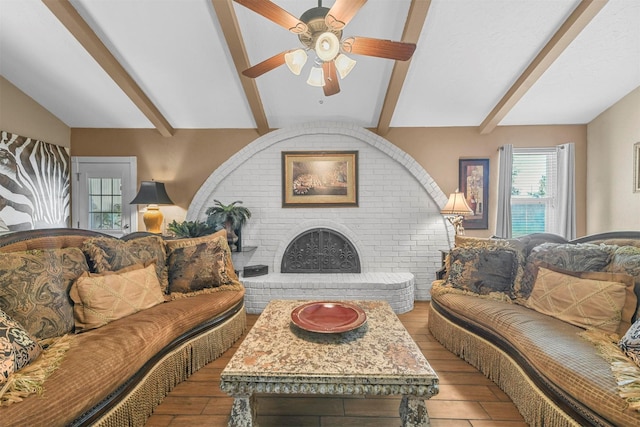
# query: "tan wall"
{"points": [[611, 202], [21, 115], [439, 149], [185, 160]]}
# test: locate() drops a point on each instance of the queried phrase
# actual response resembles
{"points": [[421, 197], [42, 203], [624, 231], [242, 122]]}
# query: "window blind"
{"points": [[534, 177]]}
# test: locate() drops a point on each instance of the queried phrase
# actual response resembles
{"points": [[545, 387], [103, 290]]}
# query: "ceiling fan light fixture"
{"points": [[295, 60], [344, 65], [327, 46], [316, 77]]}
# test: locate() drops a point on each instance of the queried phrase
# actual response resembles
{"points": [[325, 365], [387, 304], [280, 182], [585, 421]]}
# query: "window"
{"points": [[105, 203], [533, 187]]}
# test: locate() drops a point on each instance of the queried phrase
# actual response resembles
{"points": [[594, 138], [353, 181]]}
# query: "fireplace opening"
{"points": [[320, 250]]}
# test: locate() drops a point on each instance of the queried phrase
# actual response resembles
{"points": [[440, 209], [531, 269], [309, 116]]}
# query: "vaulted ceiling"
{"points": [[173, 64]]}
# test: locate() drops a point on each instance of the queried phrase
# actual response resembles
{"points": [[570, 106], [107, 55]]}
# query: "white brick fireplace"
{"points": [[397, 227]]}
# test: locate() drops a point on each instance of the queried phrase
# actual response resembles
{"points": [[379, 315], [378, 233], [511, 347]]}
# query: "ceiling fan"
{"points": [[320, 30]]}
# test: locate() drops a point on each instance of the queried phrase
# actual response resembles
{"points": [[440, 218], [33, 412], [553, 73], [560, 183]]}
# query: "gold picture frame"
{"points": [[636, 167], [319, 178]]}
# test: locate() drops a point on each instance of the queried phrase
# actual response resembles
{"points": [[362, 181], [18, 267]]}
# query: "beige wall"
{"points": [[21, 115], [611, 202], [185, 160], [439, 149]]}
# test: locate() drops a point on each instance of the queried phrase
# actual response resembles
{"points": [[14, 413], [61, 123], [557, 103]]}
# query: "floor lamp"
{"points": [[455, 210]]}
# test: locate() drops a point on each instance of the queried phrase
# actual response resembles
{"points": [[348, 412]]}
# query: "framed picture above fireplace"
{"points": [[319, 179], [474, 184]]}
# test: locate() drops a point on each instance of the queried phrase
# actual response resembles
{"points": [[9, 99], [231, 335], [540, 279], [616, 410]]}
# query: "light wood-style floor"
{"points": [[466, 398]]}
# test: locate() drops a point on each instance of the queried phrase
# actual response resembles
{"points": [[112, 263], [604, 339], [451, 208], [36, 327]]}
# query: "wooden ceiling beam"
{"points": [[413, 27], [71, 19], [231, 30], [574, 24]]}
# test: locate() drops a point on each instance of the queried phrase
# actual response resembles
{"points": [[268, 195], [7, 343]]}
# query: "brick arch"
{"points": [[198, 204], [385, 244]]}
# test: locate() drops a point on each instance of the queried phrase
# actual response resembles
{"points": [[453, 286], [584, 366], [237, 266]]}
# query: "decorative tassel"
{"points": [[535, 407], [626, 372], [30, 379]]}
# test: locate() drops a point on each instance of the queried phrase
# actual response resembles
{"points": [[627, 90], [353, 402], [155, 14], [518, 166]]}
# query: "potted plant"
{"points": [[231, 217], [190, 228]]}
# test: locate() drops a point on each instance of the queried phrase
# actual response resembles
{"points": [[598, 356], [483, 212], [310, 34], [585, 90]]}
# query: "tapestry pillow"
{"points": [[104, 297], [200, 262], [108, 254], [590, 300], [17, 347], [566, 256], [482, 270], [630, 342], [626, 259], [34, 289]]}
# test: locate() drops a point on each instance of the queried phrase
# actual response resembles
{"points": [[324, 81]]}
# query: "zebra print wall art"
{"points": [[34, 183]]}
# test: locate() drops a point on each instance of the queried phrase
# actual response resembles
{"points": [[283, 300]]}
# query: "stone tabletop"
{"points": [[380, 357]]}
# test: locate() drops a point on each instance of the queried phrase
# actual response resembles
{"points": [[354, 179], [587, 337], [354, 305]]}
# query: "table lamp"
{"points": [[152, 193], [455, 210]]}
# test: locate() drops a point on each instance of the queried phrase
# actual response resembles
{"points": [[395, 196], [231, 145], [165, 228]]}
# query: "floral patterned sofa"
{"points": [[96, 330], [552, 322]]}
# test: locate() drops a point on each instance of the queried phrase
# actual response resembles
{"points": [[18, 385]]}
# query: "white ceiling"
{"points": [[469, 53]]}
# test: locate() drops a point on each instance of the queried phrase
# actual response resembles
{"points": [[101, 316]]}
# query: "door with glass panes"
{"points": [[102, 190]]}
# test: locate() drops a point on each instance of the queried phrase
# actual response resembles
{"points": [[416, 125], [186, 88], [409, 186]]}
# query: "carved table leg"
{"points": [[413, 412], [243, 411]]}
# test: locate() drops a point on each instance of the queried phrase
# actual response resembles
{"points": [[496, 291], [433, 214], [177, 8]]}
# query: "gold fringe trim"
{"points": [[536, 408], [174, 368], [30, 379], [625, 370], [439, 287], [180, 295]]}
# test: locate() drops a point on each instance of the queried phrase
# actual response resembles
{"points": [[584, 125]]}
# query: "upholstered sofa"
{"points": [[550, 321], [112, 325]]}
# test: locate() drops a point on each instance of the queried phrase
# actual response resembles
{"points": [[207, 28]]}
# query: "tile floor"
{"points": [[466, 398]]}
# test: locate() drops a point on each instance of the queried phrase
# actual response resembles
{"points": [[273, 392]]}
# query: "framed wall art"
{"points": [[636, 167], [473, 182], [35, 178], [319, 178]]}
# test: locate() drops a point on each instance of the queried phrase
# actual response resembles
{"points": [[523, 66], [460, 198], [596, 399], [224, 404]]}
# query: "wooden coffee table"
{"points": [[378, 358]]}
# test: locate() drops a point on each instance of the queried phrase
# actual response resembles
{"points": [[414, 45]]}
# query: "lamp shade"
{"points": [[152, 193], [456, 205], [295, 60], [316, 77], [344, 65]]}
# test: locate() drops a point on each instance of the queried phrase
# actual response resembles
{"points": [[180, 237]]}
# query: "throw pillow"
{"points": [[104, 297], [34, 289], [626, 259], [17, 347], [630, 342], [108, 254], [200, 262], [566, 256], [590, 300], [483, 270]]}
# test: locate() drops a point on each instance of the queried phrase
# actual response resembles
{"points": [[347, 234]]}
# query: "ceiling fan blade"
{"points": [[267, 65], [331, 85], [342, 12], [275, 13], [380, 48]]}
